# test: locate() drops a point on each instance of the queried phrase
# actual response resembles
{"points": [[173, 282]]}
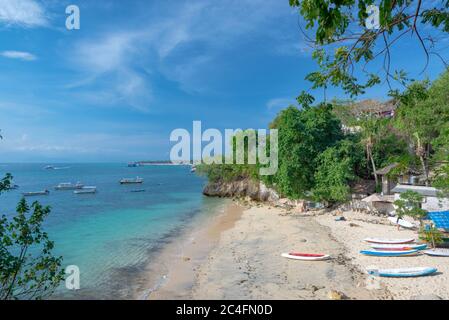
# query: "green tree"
{"points": [[303, 135], [336, 168], [409, 204], [28, 270], [422, 114], [344, 43]]}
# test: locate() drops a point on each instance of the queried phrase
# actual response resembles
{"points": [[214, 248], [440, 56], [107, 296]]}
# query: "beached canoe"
{"points": [[378, 253], [403, 223], [402, 272], [305, 256], [398, 247], [437, 252], [389, 241]]}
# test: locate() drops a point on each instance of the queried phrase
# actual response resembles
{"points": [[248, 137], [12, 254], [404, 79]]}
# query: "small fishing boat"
{"points": [[437, 252], [86, 190], [402, 272], [389, 241], [305, 256], [398, 247], [193, 169], [37, 193], [69, 186], [388, 253], [403, 223], [131, 181], [137, 191]]}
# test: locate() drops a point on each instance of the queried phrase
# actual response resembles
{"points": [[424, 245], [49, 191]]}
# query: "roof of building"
{"points": [[374, 106], [425, 191]]}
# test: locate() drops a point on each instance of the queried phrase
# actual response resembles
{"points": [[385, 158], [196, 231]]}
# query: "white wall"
{"points": [[434, 204], [431, 203]]}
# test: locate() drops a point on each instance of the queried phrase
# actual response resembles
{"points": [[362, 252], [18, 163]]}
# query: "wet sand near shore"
{"points": [[179, 261]]}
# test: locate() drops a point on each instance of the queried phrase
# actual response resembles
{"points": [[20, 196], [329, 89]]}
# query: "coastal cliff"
{"points": [[241, 189]]}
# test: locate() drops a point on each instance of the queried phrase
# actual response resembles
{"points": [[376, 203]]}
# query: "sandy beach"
{"points": [[237, 256]]}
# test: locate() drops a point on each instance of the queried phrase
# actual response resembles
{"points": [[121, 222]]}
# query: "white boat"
{"points": [[305, 256], [49, 167], [131, 180], [437, 252], [401, 222], [86, 190], [37, 193], [69, 186], [389, 241]]}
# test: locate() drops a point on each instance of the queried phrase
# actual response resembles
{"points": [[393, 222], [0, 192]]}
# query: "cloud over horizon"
{"points": [[23, 13]]}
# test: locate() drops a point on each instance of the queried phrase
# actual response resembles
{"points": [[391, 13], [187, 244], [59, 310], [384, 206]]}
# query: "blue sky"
{"points": [[136, 70]]}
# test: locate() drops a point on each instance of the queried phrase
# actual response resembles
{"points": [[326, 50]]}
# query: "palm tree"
{"points": [[370, 136]]}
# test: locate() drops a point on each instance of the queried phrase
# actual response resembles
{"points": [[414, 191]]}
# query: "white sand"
{"points": [[400, 288], [246, 263]]}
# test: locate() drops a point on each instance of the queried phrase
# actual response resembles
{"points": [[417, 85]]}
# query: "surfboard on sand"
{"points": [[437, 252], [389, 241], [387, 253], [402, 272], [398, 247], [305, 256], [403, 223]]}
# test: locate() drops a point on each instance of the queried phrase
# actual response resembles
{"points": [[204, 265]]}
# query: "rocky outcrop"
{"points": [[241, 189]]}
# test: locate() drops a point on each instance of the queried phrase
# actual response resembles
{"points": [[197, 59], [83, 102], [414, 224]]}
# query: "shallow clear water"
{"points": [[113, 234]]}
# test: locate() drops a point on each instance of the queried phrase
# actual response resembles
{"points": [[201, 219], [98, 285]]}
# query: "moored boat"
{"points": [[86, 190], [37, 193], [69, 186], [131, 181]]}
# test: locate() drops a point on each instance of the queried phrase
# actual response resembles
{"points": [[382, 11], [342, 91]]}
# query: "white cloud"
{"points": [[18, 55], [24, 13], [184, 43]]}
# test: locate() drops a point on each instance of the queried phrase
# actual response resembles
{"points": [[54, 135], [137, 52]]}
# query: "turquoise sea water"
{"points": [[113, 234]]}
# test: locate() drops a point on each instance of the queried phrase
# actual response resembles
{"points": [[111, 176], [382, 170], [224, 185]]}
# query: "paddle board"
{"points": [[305, 256]]}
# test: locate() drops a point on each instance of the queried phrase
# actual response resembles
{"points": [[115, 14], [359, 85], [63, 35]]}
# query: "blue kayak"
{"points": [[389, 253], [402, 272]]}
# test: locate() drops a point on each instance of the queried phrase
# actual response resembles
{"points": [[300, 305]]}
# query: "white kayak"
{"points": [[402, 272], [437, 252], [305, 256], [403, 223], [389, 241], [398, 247]]}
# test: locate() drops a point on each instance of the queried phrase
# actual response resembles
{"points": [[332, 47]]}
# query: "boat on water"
{"points": [[138, 191], [133, 164], [131, 180], [37, 193], [49, 167], [402, 272], [86, 190], [193, 169], [69, 186]]}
